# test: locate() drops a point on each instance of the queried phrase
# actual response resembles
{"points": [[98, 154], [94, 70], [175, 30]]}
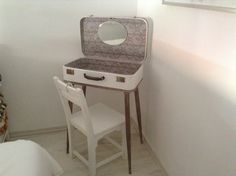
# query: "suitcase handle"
{"points": [[94, 78]]}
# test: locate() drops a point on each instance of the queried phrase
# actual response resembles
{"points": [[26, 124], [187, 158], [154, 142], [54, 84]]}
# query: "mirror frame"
{"points": [[100, 25], [202, 6]]}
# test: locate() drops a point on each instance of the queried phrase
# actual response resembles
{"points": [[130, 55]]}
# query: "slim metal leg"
{"points": [[67, 142], [127, 121], [84, 89], [67, 137], [138, 109]]}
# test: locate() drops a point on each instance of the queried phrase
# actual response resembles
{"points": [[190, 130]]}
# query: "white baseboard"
{"points": [[37, 132]]}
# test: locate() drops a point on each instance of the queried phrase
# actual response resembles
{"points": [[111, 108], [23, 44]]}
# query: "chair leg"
{"points": [[124, 145], [92, 157], [138, 109]]}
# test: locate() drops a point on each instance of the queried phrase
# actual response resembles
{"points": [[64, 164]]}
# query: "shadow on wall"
{"points": [[4, 53], [30, 94]]}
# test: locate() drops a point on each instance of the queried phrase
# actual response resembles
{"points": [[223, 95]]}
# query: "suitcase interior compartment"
{"points": [[105, 66]]}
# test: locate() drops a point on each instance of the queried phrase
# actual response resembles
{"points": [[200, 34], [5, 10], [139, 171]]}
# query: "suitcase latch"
{"points": [[120, 79], [70, 72]]}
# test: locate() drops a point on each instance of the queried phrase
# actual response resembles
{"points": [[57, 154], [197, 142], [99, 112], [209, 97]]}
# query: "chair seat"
{"points": [[103, 119]]}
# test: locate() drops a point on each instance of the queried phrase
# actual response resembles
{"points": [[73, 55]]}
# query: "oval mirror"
{"points": [[112, 33]]}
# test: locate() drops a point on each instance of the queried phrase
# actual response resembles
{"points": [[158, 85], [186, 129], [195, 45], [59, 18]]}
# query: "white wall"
{"points": [[39, 37], [209, 34], [1, 15], [191, 122]]}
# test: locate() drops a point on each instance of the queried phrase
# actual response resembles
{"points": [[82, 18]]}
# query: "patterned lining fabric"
{"points": [[132, 50], [3, 116], [4, 126], [104, 66]]}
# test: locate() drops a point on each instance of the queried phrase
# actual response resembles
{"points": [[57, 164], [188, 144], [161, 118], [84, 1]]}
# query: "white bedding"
{"points": [[26, 158]]}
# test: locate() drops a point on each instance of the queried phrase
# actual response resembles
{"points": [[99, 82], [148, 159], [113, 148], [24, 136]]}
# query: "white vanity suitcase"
{"points": [[114, 49]]}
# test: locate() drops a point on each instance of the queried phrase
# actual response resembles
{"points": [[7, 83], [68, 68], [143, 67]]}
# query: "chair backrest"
{"points": [[76, 96]]}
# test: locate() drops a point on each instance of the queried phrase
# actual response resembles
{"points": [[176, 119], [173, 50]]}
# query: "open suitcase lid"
{"points": [[134, 48]]}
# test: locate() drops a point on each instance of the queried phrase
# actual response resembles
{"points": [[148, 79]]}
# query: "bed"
{"points": [[26, 158]]}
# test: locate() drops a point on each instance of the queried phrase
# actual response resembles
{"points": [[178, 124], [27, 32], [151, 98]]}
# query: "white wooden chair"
{"points": [[94, 122]]}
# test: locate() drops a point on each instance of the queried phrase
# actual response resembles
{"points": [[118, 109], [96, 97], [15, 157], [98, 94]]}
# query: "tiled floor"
{"points": [[143, 164]]}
